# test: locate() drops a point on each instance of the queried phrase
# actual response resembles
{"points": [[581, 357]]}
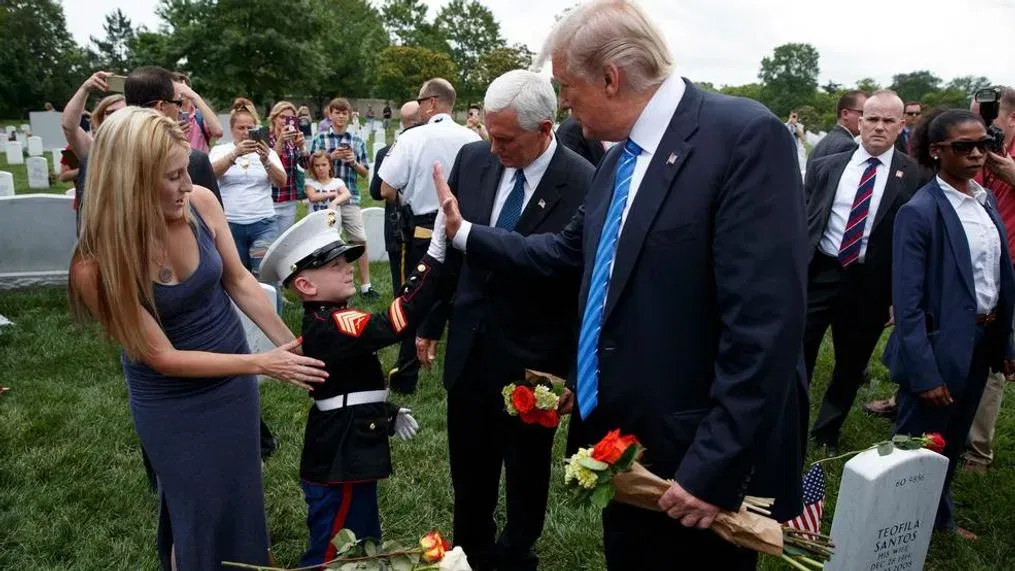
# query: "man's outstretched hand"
{"points": [[449, 204]]}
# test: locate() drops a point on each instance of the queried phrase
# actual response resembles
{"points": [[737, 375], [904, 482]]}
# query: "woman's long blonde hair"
{"points": [[122, 222]]}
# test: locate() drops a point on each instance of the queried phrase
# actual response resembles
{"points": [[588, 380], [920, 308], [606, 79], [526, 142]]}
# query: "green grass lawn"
{"points": [[73, 493]]}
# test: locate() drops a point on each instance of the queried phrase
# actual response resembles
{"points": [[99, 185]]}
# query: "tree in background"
{"points": [[262, 50], [868, 84], [968, 85], [472, 32], [401, 71], [408, 24], [39, 61], [789, 77], [350, 38], [499, 61], [915, 85], [113, 52]]}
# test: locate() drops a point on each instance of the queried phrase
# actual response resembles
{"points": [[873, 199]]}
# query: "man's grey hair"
{"points": [[530, 95], [602, 32]]}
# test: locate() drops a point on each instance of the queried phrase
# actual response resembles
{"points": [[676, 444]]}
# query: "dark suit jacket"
{"points": [[570, 134], [838, 140], [700, 352], [819, 191], [935, 299], [531, 321]]}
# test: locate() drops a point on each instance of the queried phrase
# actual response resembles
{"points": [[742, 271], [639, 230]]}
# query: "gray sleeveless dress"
{"points": [[202, 434]]}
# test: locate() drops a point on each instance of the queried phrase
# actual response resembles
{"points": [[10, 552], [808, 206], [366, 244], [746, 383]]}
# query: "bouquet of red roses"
{"points": [[535, 399], [610, 471]]}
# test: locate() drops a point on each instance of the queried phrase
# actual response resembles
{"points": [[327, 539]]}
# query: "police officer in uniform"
{"points": [[407, 178], [346, 449]]}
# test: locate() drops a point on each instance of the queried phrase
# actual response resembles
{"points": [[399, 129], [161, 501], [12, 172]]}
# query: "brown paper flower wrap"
{"points": [[611, 471]]}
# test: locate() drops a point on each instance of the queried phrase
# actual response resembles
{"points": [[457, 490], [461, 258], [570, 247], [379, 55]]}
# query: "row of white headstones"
{"points": [[36, 163]]}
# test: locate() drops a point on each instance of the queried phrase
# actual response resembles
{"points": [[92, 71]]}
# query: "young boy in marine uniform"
{"points": [[346, 449]]}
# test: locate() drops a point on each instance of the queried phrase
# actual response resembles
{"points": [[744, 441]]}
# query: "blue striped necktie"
{"points": [[511, 212], [592, 320], [852, 237]]}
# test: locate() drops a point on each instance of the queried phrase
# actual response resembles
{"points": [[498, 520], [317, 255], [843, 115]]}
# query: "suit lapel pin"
{"points": [[898, 174], [672, 159], [542, 203]]}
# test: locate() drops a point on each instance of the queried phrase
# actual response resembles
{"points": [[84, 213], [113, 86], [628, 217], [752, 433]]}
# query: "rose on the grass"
{"points": [[523, 399], [612, 447], [434, 546]]}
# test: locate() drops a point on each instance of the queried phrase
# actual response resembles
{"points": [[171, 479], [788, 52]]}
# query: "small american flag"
{"points": [[814, 502]]}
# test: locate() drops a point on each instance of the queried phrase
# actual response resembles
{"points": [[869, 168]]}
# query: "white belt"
{"points": [[351, 399]]}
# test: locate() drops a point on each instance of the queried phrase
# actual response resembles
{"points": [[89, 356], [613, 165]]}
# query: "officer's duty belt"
{"points": [[351, 399], [423, 225]]}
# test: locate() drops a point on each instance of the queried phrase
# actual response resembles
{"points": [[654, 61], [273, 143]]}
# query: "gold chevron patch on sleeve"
{"points": [[397, 315], [350, 321]]}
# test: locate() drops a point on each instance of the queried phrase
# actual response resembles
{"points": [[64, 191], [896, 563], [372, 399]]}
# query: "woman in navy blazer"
{"points": [[953, 290]]}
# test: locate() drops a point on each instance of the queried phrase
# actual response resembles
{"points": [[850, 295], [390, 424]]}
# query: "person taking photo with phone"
{"points": [[197, 119], [286, 139], [348, 153], [246, 169]]}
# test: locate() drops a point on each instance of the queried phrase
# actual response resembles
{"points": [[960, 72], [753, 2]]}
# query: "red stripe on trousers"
{"points": [[339, 523]]}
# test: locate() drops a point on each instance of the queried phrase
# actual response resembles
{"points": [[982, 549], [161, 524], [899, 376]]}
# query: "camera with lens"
{"points": [[989, 100]]}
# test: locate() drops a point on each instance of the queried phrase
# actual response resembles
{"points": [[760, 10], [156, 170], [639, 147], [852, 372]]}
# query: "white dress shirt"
{"points": [[647, 133], [845, 193], [984, 242], [533, 174], [408, 166]]}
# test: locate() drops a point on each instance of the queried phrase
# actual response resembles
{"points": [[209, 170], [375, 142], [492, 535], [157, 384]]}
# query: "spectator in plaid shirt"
{"points": [[287, 140], [349, 153]]}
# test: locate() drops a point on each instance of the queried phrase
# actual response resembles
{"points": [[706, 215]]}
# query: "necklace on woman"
{"points": [[165, 274]]}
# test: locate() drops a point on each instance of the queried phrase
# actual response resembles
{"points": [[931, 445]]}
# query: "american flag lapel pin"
{"points": [[542, 203], [672, 159], [898, 174]]}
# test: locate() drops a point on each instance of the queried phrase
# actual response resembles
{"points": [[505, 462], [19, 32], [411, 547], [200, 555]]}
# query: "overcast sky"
{"points": [[723, 41]]}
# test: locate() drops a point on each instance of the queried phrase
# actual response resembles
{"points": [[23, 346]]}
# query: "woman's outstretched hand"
{"points": [[285, 364]]}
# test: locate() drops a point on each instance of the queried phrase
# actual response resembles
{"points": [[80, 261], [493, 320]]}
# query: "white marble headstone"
{"points": [[885, 512], [25, 128], [38, 172], [373, 221], [22, 138], [812, 138], [6, 184], [15, 153], [35, 146], [256, 339], [46, 124], [380, 139], [57, 155], [227, 135], [10, 130]]}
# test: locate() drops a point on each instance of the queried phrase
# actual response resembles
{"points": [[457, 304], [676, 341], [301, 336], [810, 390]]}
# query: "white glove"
{"points": [[438, 243], [405, 425]]}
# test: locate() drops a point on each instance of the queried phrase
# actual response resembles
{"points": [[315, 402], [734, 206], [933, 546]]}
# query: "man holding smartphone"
{"points": [[348, 153]]}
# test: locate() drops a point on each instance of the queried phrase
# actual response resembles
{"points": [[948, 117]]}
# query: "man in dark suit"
{"points": [[852, 198], [842, 137], [395, 237], [692, 244], [905, 141], [570, 134], [501, 322]]}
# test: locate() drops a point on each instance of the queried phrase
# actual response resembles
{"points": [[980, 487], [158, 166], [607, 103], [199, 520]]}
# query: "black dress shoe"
{"points": [[370, 294]]}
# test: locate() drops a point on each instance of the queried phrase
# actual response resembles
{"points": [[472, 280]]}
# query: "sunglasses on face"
{"points": [[966, 147], [913, 113]]}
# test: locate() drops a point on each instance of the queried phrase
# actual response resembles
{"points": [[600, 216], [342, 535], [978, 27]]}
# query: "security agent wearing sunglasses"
{"points": [[346, 450]]}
